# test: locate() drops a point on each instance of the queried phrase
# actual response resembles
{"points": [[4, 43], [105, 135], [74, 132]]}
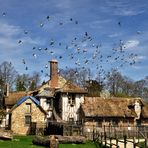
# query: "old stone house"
{"points": [[26, 115], [60, 97], [66, 103], [97, 112]]}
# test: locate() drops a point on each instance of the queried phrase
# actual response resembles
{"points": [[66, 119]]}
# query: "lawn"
{"points": [[19, 142], [87, 145], [26, 142]]}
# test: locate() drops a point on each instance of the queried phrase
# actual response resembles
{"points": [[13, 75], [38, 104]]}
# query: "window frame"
{"points": [[28, 122], [72, 99], [28, 108]]}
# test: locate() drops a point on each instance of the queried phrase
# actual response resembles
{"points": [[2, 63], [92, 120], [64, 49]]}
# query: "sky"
{"points": [[96, 34]]}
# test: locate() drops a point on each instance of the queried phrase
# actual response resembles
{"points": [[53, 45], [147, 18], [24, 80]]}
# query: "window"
{"points": [[115, 123], [27, 120], [48, 101], [28, 108], [99, 124], [71, 99], [71, 120]]}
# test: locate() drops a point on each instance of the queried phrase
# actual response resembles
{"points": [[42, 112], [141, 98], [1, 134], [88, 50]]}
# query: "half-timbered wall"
{"points": [[71, 107]]}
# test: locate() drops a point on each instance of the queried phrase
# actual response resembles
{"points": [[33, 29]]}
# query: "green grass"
{"points": [[87, 145], [19, 142], [142, 144], [26, 142]]}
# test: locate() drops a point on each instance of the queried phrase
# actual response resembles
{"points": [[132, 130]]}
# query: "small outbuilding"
{"points": [[27, 116]]}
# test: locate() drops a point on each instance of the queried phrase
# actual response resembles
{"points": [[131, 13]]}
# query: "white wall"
{"points": [[46, 106], [71, 111]]}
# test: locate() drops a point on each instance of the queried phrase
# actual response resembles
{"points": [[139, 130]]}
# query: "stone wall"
{"points": [[18, 125], [92, 125]]}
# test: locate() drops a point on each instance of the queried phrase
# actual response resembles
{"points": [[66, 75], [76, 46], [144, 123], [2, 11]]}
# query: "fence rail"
{"points": [[128, 137]]}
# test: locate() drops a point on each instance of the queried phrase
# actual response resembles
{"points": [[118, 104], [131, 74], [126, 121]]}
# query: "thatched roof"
{"points": [[114, 107], [14, 97]]}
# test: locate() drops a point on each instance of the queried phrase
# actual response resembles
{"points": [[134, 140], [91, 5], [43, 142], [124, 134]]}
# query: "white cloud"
{"points": [[114, 35], [125, 12], [141, 57], [124, 8], [11, 34], [131, 44], [7, 43], [9, 30], [99, 23]]}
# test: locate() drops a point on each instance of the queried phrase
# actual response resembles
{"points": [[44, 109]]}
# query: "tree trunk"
{"points": [[6, 135], [45, 141], [71, 139]]}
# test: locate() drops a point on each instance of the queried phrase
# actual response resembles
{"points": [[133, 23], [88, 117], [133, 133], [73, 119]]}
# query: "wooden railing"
{"points": [[105, 140], [115, 139]]}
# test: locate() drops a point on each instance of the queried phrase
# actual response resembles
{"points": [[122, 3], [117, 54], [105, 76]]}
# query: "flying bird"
{"points": [[4, 14], [23, 61], [34, 55], [25, 32], [119, 23], [48, 17], [20, 41]]}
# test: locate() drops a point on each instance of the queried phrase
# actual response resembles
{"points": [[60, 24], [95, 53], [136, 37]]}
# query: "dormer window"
{"points": [[71, 99]]}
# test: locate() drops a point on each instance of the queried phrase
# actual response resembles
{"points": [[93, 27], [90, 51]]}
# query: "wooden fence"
{"points": [[110, 141], [112, 137]]}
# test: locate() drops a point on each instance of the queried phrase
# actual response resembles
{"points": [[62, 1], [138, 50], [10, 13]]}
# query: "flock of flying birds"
{"points": [[83, 52]]}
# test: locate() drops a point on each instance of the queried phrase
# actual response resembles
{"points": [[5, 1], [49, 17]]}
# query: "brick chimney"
{"points": [[54, 73]]}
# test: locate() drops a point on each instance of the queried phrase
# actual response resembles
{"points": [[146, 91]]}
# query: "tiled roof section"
{"points": [[73, 88], [47, 92], [14, 97], [63, 86], [61, 82], [114, 107]]}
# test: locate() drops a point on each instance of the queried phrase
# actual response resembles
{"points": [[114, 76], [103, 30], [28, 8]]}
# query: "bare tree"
{"points": [[27, 82], [77, 75], [7, 74], [114, 82]]}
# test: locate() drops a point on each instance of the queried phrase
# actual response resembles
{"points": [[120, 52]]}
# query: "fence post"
{"points": [[134, 142], [110, 138], [101, 139], [93, 134], [105, 139], [138, 135], [146, 143], [116, 140], [104, 128], [125, 138]]}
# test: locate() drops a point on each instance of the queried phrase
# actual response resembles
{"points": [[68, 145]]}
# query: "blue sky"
{"points": [[96, 34]]}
